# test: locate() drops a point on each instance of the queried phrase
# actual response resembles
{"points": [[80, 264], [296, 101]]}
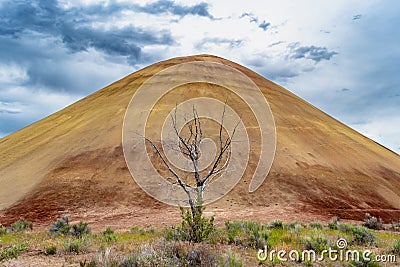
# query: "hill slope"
{"points": [[72, 162]]}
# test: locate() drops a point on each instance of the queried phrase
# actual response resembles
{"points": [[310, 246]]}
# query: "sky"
{"points": [[341, 56]]}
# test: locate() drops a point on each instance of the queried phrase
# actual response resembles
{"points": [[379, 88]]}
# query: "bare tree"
{"points": [[189, 146]]}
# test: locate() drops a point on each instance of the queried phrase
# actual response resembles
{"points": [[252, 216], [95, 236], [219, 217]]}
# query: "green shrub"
{"points": [[51, 250], [361, 236], [80, 229], [246, 234], [372, 222], [21, 225], [61, 226], [232, 260], [150, 229], [317, 243], [174, 254], [12, 252], [193, 229], [276, 225], [396, 247], [395, 226], [134, 229], [334, 223], [76, 245], [293, 225], [108, 235], [3, 230], [316, 225]]}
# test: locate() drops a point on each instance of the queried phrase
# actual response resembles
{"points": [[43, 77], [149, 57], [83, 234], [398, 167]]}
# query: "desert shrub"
{"points": [[105, 259], [80, 229], [12, 252], [396, 247], [334, 223], [316, 225], [76, 245], [317, 243], [231, 260], [346, 228], [61, 226], [195, 229], [395, 226], [372, 222], [51, 250], [292, 225], [150, 229], [134, 229], [276, 225], [3, 230], [174, 254], [361, 236], [20, 225], [108, 235], [246, 234]]}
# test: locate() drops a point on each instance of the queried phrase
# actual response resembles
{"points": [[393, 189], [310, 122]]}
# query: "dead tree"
{"points": [[189, 146]]}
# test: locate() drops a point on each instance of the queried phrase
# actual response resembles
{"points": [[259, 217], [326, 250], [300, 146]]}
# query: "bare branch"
{"points": [[183, 185]]}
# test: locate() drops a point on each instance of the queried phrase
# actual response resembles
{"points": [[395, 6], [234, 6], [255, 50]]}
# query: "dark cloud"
{"points": [[315, 53], [165, 6], [40, 35], [276, 43], [345, 89], [357, 17], [231, 43], [263, 25], [70, 26]]}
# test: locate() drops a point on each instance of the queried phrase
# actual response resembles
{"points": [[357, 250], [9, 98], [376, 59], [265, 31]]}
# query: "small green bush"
{"points": [[372, 222], [316, 225], [21, 225], [3, 230], [247, 234], [134, 229], [175, 254], [195, 229], [361, 236], [51, 250], [12, 252], [232, 260], [108, 235], [80, 229], [334, 223], [395, 226], [61, 226], [276, 225], [76, 245], [396, 247], [317, 243]]}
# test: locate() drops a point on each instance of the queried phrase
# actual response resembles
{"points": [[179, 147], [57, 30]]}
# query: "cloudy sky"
{"points": [[342, 56]]}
